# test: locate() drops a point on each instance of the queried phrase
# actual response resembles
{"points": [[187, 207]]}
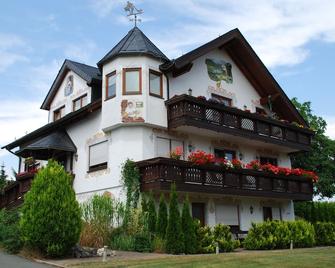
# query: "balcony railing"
{"points": [[159, 173], [186, 110]]}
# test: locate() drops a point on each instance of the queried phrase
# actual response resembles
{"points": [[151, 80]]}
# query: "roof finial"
{"points": [[133, 11]]}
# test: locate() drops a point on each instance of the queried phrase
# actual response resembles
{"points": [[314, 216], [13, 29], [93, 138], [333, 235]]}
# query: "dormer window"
{"points": [[132, 81], [111, 85], [223, 100], [79, 102], [155, 84], [59, 113]]}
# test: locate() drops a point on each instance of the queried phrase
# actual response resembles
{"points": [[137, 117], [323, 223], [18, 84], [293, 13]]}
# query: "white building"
{"points": [[140, 105]]}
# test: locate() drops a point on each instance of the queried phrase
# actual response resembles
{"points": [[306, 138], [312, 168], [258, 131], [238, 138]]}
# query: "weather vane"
{"points": [[133, 11]]}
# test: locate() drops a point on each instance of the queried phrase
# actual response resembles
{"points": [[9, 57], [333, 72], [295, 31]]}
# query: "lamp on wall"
{"points": [[76, 157], [240, 155], [251, 209], [190, 147], [190, 91]]}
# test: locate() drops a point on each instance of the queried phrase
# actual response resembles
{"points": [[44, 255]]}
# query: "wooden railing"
{"points": [[187, 110], [159, 173]]}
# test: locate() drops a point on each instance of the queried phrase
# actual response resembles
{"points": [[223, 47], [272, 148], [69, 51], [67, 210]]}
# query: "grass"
{"points": [[312, 257]]}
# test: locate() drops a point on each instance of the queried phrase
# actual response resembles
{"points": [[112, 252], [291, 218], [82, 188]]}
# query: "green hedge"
{"points": [[315, 211], [278, 235], [324, 233]]}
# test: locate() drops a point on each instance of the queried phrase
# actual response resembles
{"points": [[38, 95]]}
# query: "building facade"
{"points": [[137, 104]]}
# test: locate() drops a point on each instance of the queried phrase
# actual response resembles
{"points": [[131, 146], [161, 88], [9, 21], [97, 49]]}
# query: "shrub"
{"points": [[190, 239], [205, 239], [315, 211], [10, 233], [162, 218], [325, 233], [99, 213], [158, 244], [151, 215], [120, 240], [142, 242], [51, 219], [301, 233], [174, 234], [224, 238], [278, 235]]}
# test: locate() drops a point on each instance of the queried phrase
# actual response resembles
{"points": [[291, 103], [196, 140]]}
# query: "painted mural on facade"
{"points": [[219, 70], [132, 111]]}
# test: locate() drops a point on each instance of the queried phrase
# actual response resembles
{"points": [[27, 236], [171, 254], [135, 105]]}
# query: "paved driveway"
{"points": [[12, 261]]}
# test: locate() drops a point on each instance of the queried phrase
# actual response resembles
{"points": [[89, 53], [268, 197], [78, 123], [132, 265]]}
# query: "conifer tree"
{"points": [[151, 214], [51, 217], [189, 231], [162, 217], [174, 233], [3, 178]]}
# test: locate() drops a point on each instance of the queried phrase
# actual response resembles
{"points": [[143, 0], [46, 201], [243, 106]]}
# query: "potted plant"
{"points": [[201, 158], [177, 153]]}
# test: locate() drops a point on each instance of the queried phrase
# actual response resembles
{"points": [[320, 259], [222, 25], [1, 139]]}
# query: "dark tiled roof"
{"points": [[134, 43], [55, 141], [89, 73]]}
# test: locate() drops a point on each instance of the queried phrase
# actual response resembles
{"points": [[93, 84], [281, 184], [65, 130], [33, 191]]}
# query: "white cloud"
{"points": [[84, 51], [277, 30], [330, 126], [104, 7], [10, 50]]}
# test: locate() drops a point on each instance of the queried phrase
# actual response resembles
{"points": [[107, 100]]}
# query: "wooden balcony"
{"points": [[159, 173], [186, 110]]}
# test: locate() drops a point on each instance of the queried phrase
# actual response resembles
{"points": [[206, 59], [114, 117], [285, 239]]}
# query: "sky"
{"points": [[294, 39]]}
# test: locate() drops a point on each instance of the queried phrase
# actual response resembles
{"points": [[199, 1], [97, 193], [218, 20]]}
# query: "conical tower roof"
{"points": [[134, 43]]}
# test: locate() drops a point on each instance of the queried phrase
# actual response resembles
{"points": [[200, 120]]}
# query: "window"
{"points": [[268, 160], [165, 146], [132, 81], [98, 156], [227, 214], [198, 212], [111, 85], [155, 83], [221, 153], [223, 100], [59, 113], [79, 102]]}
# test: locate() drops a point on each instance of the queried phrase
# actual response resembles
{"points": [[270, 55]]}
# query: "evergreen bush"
{"points": [[224, 238], [315, 211], [162, 218], [325, 233], [151, 215], [174, 234], [10, 233], [143, 242], [190, 238], [51, 218]]}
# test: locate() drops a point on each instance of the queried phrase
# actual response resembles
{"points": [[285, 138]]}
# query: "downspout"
{"points": [[167, 86]]}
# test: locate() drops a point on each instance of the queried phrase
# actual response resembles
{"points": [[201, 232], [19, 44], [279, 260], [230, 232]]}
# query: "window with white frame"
{"points": [[98, 156]]}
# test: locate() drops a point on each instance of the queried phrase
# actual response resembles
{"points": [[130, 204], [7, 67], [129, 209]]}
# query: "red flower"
{"points": [[201, 158], [237, 163], [254, 164], [177, 153]]}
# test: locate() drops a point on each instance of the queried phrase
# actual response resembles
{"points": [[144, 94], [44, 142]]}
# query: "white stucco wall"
{"points": [[240, 91], [80, 88]]}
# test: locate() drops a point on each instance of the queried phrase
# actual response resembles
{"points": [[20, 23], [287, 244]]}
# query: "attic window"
{"points": [[155, 84], [132, 81], [59, 113], [79, 102]]}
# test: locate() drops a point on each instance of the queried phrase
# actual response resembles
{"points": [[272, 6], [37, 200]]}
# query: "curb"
{"points": [[49, 263]]}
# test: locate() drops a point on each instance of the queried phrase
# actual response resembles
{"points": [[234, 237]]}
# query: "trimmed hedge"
{"points": [[315, 211], [278, 235], [10, 233], [325, 233]]}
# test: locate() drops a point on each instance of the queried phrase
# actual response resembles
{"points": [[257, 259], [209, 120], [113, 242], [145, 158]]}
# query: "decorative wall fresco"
{"points": [[132, 111], [219, 70], [69, 86]]}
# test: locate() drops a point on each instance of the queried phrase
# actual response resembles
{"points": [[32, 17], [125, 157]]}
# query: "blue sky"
{"points": [[295, 39]]}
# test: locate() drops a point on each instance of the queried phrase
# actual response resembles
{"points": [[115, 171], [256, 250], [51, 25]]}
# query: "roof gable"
{"points": [[134, 43], [89, 73], [249, 63]]}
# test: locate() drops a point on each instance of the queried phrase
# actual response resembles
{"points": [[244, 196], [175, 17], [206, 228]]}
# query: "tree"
{"points": [[321, 157], [151, 214], [51, 218], [3, 177], [174, 233], [189, 231], [162, 217]]}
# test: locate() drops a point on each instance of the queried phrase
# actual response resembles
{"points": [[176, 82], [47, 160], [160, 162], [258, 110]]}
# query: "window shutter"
{"points": [[226, 214], [163, 147], [98, 153]]}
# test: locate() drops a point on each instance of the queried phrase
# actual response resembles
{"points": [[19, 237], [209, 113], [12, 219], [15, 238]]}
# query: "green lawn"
{"points": [[313, 257]]}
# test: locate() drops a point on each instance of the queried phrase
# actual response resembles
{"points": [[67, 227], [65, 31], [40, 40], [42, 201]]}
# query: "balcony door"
{"points": [[198, 212], [222, 153], [267, 213]]}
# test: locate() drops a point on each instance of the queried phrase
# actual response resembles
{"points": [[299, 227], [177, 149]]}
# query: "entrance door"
{"points": [[198, 212], [267, 213]]}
